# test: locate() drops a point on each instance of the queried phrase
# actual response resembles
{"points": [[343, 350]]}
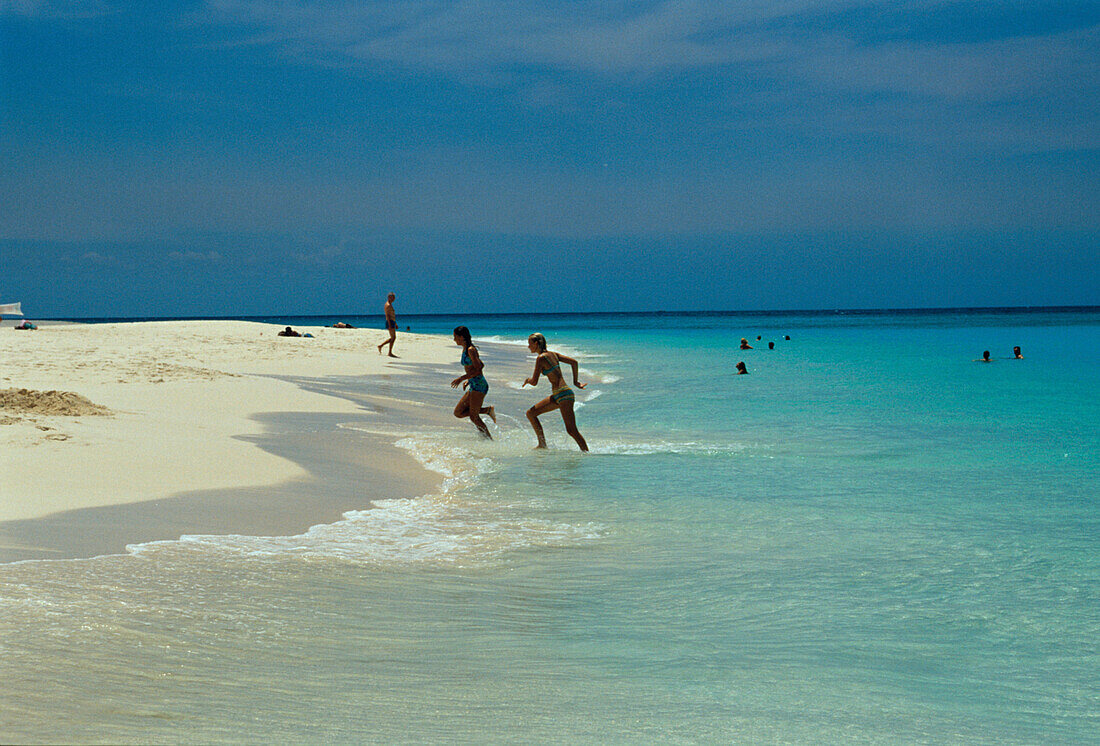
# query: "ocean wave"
{"points": [[459, 525], [589, 395], [431, 529], [596, 376], [495, 339], [627, 448], [565, 349], [459, 466]]}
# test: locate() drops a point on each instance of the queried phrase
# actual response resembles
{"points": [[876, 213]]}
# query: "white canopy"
{"points": [[10, 309]]}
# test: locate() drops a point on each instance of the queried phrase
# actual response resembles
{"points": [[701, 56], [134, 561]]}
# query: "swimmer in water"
{"points": [[745, 344], [475, 384], [984, 358], [741, 369], [548, 363], [1016, 353]]}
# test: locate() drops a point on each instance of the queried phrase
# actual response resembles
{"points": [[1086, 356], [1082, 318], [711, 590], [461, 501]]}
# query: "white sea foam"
{"points": [[503, 340], [433, 529], [589, 395], [455, 526], [563, 348], [624, 448]]}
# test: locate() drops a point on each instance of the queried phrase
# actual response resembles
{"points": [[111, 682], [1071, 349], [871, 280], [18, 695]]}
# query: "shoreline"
{"points": [[335, 458], [215, 427]]}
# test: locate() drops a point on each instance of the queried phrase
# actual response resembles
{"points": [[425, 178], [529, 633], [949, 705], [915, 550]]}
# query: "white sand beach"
{"points": [[97, 415]]}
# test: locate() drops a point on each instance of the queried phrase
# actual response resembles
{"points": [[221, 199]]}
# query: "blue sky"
{"points": [[240, 157]]}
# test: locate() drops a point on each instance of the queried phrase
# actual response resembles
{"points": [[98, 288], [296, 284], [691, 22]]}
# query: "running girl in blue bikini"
{"points": [[475, 384], [548, 363]]}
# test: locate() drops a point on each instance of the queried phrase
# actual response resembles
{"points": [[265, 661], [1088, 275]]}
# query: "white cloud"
{"points": [[480, 35], [982, 71], [776, 41]]}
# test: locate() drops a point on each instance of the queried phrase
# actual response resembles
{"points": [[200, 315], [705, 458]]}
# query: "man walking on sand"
{"points": [[391, 324]]}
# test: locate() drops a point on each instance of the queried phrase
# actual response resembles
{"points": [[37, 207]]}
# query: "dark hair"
{"points": [[461, 331]]}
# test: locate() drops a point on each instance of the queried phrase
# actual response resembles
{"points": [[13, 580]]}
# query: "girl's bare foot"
{"points": [[492, 414]]}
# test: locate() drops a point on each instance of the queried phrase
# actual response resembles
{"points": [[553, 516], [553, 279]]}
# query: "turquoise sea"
{"points": [[870, 538]]}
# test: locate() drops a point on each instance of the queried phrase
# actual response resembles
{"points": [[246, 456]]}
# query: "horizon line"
{"points": [[665, 312]]}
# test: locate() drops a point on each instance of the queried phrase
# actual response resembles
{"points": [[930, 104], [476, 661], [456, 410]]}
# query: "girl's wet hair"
{"points": [[461, 331], [539, 340]]}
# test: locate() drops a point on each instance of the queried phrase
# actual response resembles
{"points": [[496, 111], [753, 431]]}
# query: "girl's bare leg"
{"points": [[544, 406], [571, 424], [475, 409], [462, 409]]}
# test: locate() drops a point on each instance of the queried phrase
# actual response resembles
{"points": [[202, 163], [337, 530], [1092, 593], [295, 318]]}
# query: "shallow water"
{"points": [[868, 538]]}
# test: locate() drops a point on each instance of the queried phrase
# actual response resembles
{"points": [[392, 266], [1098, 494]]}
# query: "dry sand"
{"points": [[58, 403], [101, 415]]}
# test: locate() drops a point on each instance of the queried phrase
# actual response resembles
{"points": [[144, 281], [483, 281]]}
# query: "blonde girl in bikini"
{"points": [[548, 363]]}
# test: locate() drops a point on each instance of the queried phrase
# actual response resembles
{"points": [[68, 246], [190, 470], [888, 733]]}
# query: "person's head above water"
{"points": [[985, 355], [771, 345], [536, 343], [462, 336], [1016, 351], [741, 369]]}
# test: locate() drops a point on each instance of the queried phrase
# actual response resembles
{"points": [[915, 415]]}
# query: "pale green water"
{"points": [[870, 538]]}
